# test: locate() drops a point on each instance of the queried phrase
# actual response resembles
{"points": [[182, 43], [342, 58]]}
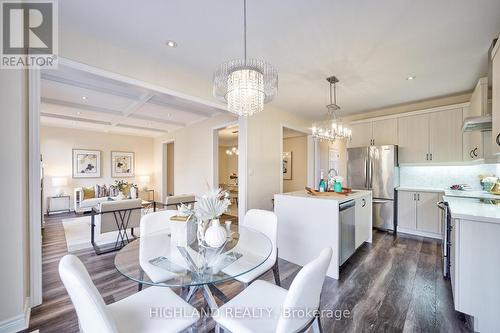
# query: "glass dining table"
{"points": [[157, 259]]}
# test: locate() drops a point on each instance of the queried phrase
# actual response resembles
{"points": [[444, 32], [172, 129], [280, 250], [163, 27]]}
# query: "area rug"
{"points": [[77, 233]]}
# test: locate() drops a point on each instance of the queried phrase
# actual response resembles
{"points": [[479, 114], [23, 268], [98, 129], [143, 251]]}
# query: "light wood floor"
{"points": [[392, 285]]}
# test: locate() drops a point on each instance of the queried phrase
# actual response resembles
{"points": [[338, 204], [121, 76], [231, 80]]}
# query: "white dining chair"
{"points": [[266, 222], [287, 307], [140, 312], [156, 222]]}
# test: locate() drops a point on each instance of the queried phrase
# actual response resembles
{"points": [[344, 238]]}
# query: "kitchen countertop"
{"points": [[419, 189], [340, 198], [473, 209], [471, 194]]}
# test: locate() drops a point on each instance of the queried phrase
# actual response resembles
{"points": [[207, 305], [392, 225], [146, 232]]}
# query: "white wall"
{"points": [[193, 155], [298, 147], [56, 145], [264, 136], [14, 254]]}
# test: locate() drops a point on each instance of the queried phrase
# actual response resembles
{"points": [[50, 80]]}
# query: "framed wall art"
{"points": [[287, 165], [86, 163], [122, 164]]}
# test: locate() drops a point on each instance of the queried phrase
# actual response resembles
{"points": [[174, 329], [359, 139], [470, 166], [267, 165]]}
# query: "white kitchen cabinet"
{"points": [[418, 213], [495, 69], [385, 132], [374, 133], [473, 141], [427, 212], [431, 137], [445, 136], [407, 213], [361, 134], [363, 213], [414, 139]]}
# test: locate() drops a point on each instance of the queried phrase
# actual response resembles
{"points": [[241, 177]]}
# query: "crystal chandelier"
{"points": [[332, 128], [232, 151], [245, 84]]}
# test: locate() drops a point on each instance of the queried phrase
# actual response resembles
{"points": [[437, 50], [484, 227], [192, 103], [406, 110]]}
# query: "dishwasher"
{"points": [[347, 230]]}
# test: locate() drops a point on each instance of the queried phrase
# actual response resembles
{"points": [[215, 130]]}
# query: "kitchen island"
{"points": [[307, 224], [474, 257]]}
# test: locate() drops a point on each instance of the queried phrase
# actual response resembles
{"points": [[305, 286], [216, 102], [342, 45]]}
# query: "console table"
{"points": [[59, 204]]}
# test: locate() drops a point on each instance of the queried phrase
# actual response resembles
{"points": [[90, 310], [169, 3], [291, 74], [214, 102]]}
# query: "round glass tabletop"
{"points": [[158, 259]]}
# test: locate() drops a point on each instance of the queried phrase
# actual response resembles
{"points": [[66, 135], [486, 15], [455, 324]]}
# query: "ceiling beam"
{"points": [[136, 105], [118, 114], [183, 109], [88, 86], [84, 120], [58, 102]]}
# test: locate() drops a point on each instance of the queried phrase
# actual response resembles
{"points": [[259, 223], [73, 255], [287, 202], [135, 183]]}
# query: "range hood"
{"points": [[481, 123]]}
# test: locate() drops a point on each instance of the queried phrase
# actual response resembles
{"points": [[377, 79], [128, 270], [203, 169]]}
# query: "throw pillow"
{"points": [[88, 193]]}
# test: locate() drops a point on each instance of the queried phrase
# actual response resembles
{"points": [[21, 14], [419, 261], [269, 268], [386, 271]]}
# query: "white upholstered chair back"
{"points": [[174, 200], [89, 305], [156, 222], [131, 211], [266, 222], [305, 291]]}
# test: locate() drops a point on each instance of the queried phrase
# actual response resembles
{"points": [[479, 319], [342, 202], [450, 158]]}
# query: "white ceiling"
{"points": [[371, 46], [79, 99]]}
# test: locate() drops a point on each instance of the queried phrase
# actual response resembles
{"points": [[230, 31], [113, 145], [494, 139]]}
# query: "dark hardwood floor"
{"points": [[392, 285]]}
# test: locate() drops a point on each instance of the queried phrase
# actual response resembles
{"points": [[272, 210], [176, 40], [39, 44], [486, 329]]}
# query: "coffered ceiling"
{"points": [[79, 99], [371, 46]]}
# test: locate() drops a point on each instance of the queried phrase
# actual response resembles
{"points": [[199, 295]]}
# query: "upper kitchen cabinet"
{"points": [[385, 132], [361, 134], [414, 139], [495, 72], [473, 140], [445, 136], [374, 133], [433, 137]]}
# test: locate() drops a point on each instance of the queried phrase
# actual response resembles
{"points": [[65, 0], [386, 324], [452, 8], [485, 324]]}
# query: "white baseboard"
{"points": [[419, 233], [17, 323]]}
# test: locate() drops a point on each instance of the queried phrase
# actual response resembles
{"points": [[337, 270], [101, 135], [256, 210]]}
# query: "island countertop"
{"points": [[338, 197]]}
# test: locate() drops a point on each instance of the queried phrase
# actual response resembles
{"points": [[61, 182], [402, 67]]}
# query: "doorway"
{"points": [[227, 162], [168, 169], [294, 171]]}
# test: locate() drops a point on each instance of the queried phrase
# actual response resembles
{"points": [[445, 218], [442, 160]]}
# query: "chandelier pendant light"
{"points": [[245, 84], [332, 128]]}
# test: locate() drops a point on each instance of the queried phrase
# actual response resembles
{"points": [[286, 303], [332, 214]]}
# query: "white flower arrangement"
{"points": [[212, 204]]}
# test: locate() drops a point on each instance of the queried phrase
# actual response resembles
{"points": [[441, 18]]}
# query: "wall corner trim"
{"points": [[19, 322]]}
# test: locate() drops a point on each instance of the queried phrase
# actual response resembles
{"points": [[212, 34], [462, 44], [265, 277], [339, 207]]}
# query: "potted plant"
{"points": [[209, 207], [121, 185]]}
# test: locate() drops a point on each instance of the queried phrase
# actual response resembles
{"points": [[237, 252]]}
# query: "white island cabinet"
{"points": [[475, 260], [307, 224]]}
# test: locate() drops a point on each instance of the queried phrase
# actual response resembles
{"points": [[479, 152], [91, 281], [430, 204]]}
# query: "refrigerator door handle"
{"points": [[371, 174], [375, 201], [366, 173]]}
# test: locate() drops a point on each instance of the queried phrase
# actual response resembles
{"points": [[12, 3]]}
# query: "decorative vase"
{"points": [[215, 236], [133, 192], [120, 196]]}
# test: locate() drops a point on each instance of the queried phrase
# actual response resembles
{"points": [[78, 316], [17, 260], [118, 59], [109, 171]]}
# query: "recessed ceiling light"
{"points": [[78, 113], [409, 78], [171, 43], [84, 97]]}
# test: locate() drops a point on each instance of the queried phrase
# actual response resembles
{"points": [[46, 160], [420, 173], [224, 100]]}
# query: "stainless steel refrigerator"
{"points": [[376, 168]]}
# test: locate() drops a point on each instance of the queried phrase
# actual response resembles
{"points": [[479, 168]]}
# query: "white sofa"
{"points": [[83, 205]]}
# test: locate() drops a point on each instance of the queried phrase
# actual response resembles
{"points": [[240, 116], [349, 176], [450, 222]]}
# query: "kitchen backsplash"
{"points": [[445, 176]]}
